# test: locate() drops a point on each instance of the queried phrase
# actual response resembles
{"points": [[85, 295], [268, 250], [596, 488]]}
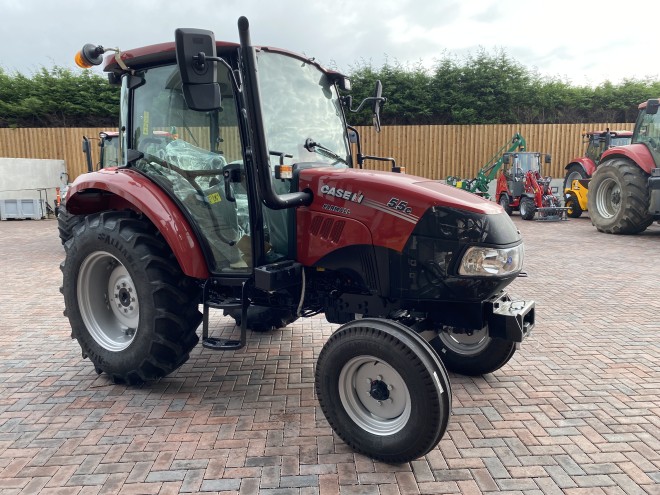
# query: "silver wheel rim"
{"points": [[465, 344], [374, 395], [571, 177], [108, 301], [608, 198], [523, 208]]}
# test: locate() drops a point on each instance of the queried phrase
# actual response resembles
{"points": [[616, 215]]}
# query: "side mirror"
{"points": [[378, 95], [506, 159], [548, 159], [196, 58], [652, 106]]}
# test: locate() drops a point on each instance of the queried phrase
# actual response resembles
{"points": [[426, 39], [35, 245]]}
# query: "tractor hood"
{"points": [[391, 206], [416, 230]]}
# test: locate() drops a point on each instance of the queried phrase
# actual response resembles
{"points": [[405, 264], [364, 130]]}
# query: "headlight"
{"points": [[481, 261]]}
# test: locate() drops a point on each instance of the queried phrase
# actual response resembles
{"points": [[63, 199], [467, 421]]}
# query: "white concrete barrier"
{"points": [[24, 180]]}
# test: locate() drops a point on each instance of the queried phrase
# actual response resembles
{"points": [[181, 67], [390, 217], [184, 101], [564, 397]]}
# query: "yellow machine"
{"points": [[575, 197]]}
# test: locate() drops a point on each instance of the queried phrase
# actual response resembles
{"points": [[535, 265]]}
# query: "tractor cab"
{"points": [[647, 129], [600, 141], [520, 167], [198, 156], [516, 165]]}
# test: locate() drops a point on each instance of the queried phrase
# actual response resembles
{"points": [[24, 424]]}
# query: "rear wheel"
{"points": [[472, 353], [132, 310], [506, 204], [618, 198], [573, 172], [66, 222], [383, 390], [573, 205], [527, 208]]}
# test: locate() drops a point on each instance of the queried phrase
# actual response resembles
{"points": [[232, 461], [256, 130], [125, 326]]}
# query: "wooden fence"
{"points": [[428, 151]]}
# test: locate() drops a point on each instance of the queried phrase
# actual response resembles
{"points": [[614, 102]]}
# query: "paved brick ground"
{"points": [[577, 411]]}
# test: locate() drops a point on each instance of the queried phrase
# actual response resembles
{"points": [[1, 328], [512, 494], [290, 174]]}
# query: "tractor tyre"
{"points": [[383, 390], [263, 319], [573, 172], [527, 208], [618, 198], [66, 222], [506, 204], [472, 355], [132, 310], [573, 205]]}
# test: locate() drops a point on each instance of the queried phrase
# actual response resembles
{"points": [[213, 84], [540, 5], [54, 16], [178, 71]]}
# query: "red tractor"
{"points": [[109, 156], [108, 150], [522, 186], [624, 192], [257, 210], [598, 142]]}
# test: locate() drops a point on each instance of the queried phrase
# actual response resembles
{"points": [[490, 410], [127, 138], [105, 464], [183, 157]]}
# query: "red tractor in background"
{"points": [[598, 142], [522, 186], [624, 192], [260, 209], [109, 156]]}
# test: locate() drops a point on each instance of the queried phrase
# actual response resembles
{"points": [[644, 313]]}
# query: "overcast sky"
{"points": [[581, 42]]}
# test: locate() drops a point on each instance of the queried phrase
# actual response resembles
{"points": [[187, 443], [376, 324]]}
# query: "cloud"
{"points": [[561, 37]]}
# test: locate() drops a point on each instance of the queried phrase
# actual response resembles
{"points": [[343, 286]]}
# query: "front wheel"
{"points": [[383, 390], [132, 310], [506, 204], [527, 208], [573, 207], [473, 353]]}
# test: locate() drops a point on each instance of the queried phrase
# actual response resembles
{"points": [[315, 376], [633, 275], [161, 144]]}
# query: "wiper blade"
{"points": [[311, 145]]}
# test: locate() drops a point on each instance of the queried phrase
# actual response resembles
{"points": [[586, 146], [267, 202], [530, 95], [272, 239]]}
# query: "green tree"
{"points": [[57, 97]]}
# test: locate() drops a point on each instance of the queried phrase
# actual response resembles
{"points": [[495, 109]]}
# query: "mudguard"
{"points": [[118, 189], [637, 153]]}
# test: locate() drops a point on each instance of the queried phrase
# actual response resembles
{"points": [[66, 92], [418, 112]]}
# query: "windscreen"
{"points": [[299, 102], [647, 131]]}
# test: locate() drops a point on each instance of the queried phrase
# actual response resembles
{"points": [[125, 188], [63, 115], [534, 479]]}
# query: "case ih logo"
{"points": [[341, 193]]}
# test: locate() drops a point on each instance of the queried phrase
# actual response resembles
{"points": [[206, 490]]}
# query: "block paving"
{"points": [[576, 411]]}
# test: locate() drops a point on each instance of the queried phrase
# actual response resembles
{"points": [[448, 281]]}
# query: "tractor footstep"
{"points": [[222, 344]]}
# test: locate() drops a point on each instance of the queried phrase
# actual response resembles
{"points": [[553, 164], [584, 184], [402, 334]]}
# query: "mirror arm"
{"points": [[364, 102]]}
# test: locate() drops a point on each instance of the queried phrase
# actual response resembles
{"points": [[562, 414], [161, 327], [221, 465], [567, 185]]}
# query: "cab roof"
{"points": [[165, 53]]}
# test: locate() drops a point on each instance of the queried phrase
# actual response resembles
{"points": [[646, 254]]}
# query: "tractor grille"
{"points": [[327, 228]]}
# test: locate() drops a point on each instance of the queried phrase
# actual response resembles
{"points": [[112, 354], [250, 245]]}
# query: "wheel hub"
{"points": [[374, 395], [123, 301], [379, 390], [608, 198], [465, 343]]}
